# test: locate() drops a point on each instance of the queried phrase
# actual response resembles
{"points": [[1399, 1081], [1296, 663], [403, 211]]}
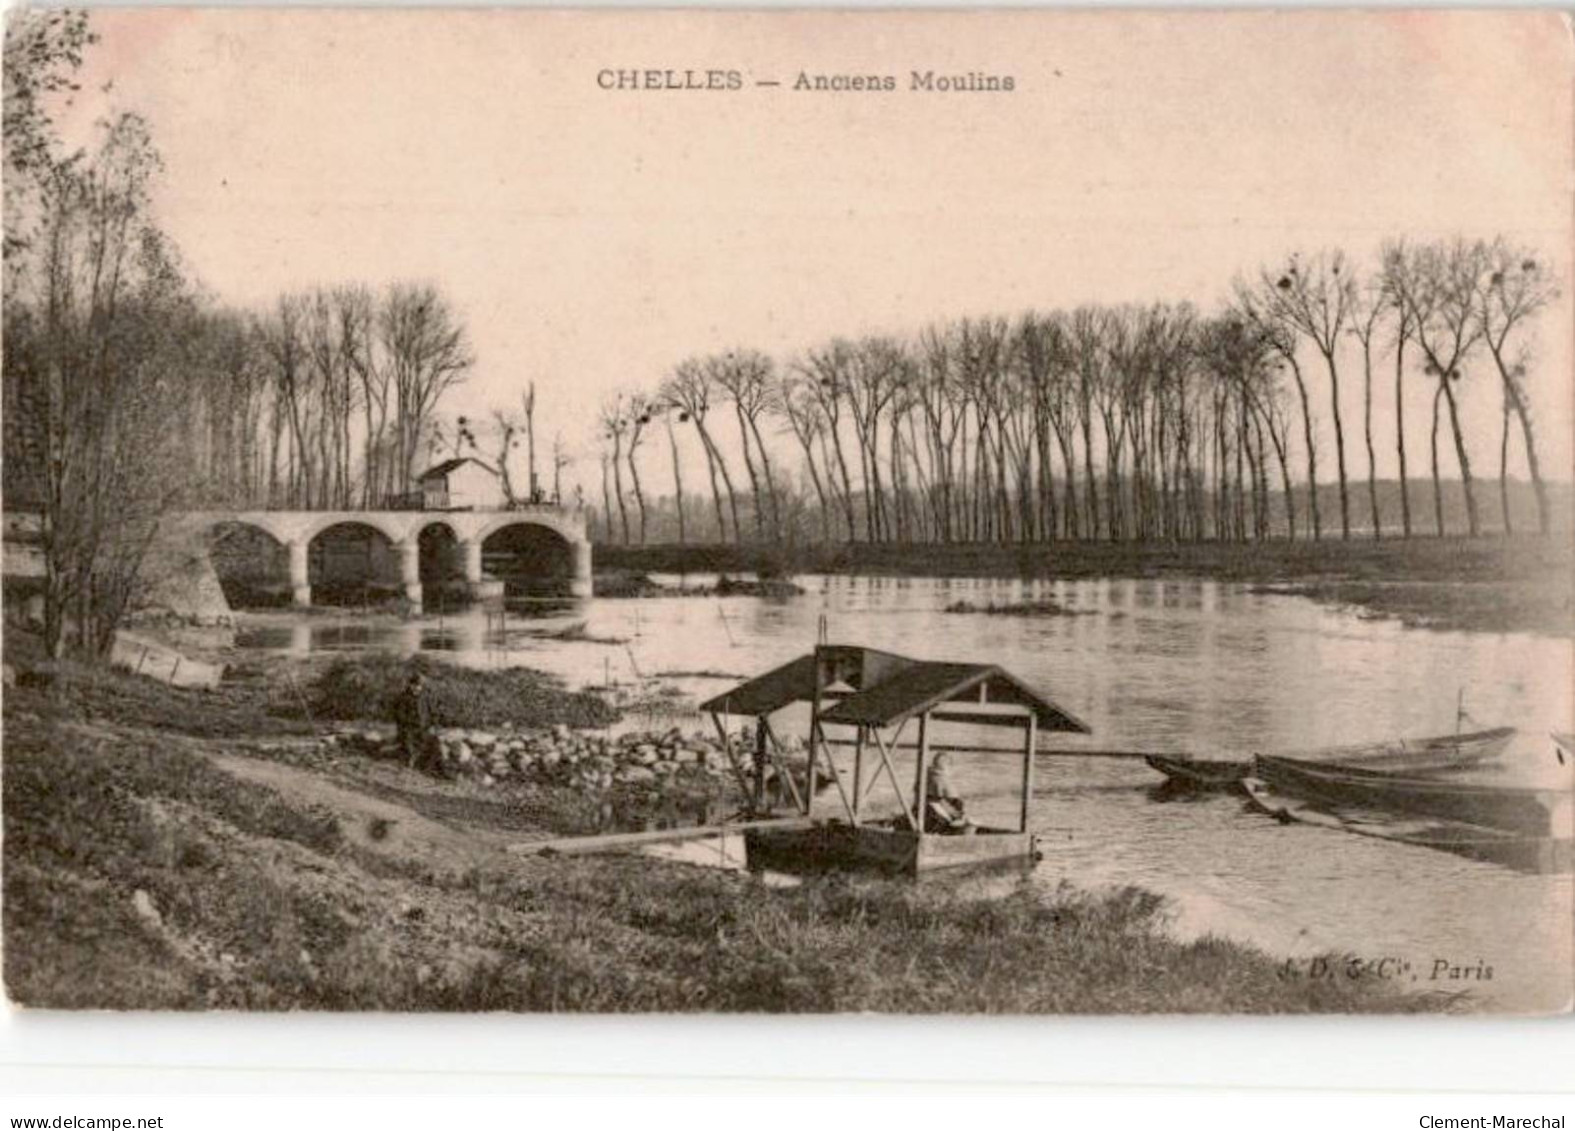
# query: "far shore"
{"points": [[1514, 584]]}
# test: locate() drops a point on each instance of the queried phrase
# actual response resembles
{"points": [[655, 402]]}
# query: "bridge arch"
{"points": [[530, 558], [349, 560], [250, 560]]}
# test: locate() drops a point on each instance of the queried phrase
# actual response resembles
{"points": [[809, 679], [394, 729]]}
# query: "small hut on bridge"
{"points": [[461, 484], [866, 699]]}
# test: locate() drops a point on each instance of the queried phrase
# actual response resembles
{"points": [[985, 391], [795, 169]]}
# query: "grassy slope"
{"points": [[315, 898]]}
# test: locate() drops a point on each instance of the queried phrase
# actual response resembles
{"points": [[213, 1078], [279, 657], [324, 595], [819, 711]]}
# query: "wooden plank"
{"points": [[760, 763], [779, 760], [727, 751], [1016, 752], [580, 845], [858, 771], [836, 780], [880, 744]]}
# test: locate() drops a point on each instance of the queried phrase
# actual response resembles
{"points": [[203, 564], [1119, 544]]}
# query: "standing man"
{"points": [[413, 717]]}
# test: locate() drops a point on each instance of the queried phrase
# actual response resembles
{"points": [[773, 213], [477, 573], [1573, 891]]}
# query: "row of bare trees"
{"points": [[327, 401], [1146, 423]]}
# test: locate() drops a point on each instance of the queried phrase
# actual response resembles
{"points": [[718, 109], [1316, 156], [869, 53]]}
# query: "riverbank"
{"points": [[1520, 584], [161, 857]]}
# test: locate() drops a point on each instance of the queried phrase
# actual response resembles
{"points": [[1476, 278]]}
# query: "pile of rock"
{"points": [[561, 756]]}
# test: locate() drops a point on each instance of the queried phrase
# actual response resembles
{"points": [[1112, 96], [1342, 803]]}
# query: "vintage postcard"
{"points": [[1017, 512]]}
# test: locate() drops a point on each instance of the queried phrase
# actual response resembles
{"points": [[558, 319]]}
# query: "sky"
{"points": [[592, 238]]}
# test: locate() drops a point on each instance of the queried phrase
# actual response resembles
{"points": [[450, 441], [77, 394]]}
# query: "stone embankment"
{"points": [[561, 756]]}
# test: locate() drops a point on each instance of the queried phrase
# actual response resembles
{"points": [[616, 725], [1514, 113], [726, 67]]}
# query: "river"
{"points": [[1173, 665]]}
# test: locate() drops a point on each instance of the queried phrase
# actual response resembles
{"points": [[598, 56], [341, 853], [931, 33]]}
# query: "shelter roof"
{"points": [[887, 688]]}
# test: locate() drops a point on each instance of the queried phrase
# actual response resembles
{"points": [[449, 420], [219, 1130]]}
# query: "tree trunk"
{"points": [[606, 504], [1312, 450], [716, 490], [749, 466], [727, 480], [639, 493], [1405, 491], [771, 483], [1438, 488], [623, 513], [1339, 446], [1518, 403], [1367, 431], [1503, 472], [1472, 522], [678, 479]]}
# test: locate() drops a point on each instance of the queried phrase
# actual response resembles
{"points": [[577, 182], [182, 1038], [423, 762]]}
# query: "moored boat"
{"points": [[1526, 810], [1416, 756], [1519, 851]]}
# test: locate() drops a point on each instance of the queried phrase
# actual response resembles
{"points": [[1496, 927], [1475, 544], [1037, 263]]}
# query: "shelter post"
{"points": [[1028, 767], [921, 769], [761, 756], [858, 775]]}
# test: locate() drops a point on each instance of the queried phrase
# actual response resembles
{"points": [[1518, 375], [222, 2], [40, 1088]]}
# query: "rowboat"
{"points": [[1413, 756], [1526, 810], [1519, 851]]}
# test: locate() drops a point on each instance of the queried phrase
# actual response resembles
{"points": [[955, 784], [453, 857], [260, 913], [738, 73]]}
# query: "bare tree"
{"points": [[747, 379], [1366, 315], [1438, 283], [505, 427], [1315, 298], [689, 390], [638, 416], [1513, 289], [1260, 308], [560, 460], [830, 374], [678, 474], [428, 352], [95, 319], [799, 406], [613, 422], [528, 403]]}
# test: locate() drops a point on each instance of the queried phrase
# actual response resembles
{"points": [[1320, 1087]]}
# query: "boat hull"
{"points": [[1426, 755], [1522, 853], [1527, 811], [836, 846]]}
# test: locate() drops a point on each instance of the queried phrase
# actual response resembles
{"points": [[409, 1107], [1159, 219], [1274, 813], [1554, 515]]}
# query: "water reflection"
{"points": [[1203, 667]]}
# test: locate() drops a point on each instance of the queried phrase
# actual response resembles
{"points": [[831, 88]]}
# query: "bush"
{"points": [[366, 687]]}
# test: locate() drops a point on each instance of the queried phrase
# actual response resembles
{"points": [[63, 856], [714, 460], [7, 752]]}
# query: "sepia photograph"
{"points": [[1007, 512]]}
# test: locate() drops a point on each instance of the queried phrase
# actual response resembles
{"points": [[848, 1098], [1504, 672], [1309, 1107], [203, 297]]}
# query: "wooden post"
{"points": [[1028, 768], [920, 773], [727, 751], [858, 775], [760, 764], [814, 734]]}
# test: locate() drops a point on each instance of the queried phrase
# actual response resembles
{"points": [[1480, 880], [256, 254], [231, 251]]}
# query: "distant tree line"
{"points": [[1123, 423]]}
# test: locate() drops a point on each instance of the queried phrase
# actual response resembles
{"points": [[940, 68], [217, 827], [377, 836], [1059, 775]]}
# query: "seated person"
{"points": [[944, 813]]}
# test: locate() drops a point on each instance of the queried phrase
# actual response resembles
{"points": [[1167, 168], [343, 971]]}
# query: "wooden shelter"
{"points": [[874, 696]]}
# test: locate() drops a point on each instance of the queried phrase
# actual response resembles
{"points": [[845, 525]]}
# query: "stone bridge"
{"points": [[295, 530]]}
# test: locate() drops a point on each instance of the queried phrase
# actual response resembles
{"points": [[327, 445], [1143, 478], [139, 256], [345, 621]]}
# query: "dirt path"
{"points": [[380, 826]]}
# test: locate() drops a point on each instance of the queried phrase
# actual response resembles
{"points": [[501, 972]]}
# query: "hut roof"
{"points": [[794, 682], [887, 689]]}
